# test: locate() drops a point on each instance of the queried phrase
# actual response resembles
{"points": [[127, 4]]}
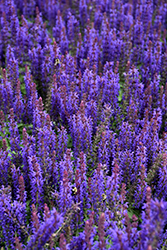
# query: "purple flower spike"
{"points": [[101, 232], [62, 242]]}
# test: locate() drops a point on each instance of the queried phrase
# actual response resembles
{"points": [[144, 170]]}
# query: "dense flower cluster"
{"points": [[83, 124]]}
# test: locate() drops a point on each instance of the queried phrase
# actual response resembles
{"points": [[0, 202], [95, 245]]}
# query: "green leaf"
{"points": [[120, 95], [20, 125], [130, 213], [69, 143], [23, 89]]}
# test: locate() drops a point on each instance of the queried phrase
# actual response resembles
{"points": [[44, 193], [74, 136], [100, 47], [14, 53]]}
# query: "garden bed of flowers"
{"points": [[83, 124]]}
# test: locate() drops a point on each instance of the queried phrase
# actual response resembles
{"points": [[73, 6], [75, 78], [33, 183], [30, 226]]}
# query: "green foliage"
{"points": [[4, 135], [134, 211], [110, 244], [28, 211], [120, 95], [69, 143], [28, 128], [23, 89]]}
